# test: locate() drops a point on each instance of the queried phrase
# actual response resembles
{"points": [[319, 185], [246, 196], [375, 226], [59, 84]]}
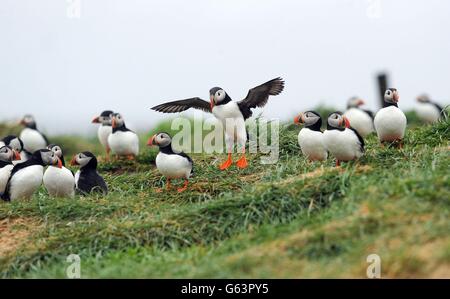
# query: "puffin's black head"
{"points": [[28, 121], [14, 142], [391, 96], [104, 118], [117, 121], [161, 140], [218, 96], [423, 98], [84, 160], [355, 102], [311, 120], [7, 154], [337, 120], [46, 157]]}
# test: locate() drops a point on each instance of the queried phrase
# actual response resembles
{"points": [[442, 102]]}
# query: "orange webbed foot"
{"points": [[227, 163], [242, 163]]}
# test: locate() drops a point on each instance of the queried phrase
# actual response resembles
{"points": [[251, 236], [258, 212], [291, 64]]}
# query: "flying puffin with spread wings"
{"points": [[231, 114]]}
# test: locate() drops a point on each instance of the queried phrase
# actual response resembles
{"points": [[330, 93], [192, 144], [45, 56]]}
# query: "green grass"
{"points": [[290, 219]]}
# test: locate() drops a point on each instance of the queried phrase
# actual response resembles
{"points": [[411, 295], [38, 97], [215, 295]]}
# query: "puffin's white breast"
{"points": [[360, 121], [103, 133], [390, 124], [427, 112], [25, 182], [32, 140], [343, 145], [59, 182], [232, 121], [173, 166], [5, 172], [124, 143], [312, 145]]}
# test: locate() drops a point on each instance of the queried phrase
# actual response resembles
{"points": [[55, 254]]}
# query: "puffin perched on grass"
{"points": [[16, 144], [59, 182], [231, 114], [341, 140], [122, 141], [26, 177], [172, 165], [390, 121], [105, 129], [87, 179], [310, 137], [361, 120], [427, 110], [7, 156], [32, 138]]}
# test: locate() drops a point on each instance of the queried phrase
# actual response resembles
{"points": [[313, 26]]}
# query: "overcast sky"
{"points": [[65, 65]]}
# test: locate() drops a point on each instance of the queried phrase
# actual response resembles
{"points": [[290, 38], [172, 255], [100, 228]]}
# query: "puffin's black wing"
{"points": [[182, 105], [259, 95], [188, 158], [361, 140], [370, 113], [91, 181]]}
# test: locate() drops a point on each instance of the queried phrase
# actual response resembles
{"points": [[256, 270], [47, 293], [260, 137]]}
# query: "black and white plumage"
{"points": [[341, 140], [390, 121], [171, 164], [87, 179], [231, 114], [429, 111], [7, 156], [26, 177], [310, 137], [361, 119], [32, 138], [105, 128], [16, 144], [59, 182], [122, 141]]}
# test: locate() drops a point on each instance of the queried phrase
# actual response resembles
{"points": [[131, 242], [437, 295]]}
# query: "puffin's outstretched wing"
{"points": [[182, 105], [259, 95]]}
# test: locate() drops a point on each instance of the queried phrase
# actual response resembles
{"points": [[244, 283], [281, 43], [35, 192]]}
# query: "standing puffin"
{"points": [[231, 114], [427, 110], [172, 165], [7, 156], [33, 140], [16, 144], [361, 120], [341, 140], [310, 137], [59, 182], [390, 121], [87, 179], [122, 141], [26, 177], [104, 130]]}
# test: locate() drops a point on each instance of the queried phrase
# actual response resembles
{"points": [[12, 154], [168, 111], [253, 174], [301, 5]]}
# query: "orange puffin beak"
{"points": [[113, 122], [73, 162], [299, 119], [396, 97], [346, 122], [58, 163], [21, 122], [16, 156], [151, 141], [360, 102], [211, 102], [96, 120]]}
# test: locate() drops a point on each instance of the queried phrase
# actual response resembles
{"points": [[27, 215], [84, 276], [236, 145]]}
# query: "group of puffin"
{"points": [[23, 158]]}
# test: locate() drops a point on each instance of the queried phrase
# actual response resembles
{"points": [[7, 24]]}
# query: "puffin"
{"points": [[87, 179], [310, 137], [26, 177], [231, 114], [7, 156], [361, 119], [32, 138], [171, 164], [59, 182], [16, 144], [104, 130], [122, 141], [341, 140], [427, 110], [390, 121]]}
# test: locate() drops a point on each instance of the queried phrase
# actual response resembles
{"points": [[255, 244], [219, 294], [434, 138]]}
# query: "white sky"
{"points": [[130, 55]]}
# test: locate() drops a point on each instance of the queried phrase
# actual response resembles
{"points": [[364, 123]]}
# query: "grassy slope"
{"points": [[292, 219]]}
